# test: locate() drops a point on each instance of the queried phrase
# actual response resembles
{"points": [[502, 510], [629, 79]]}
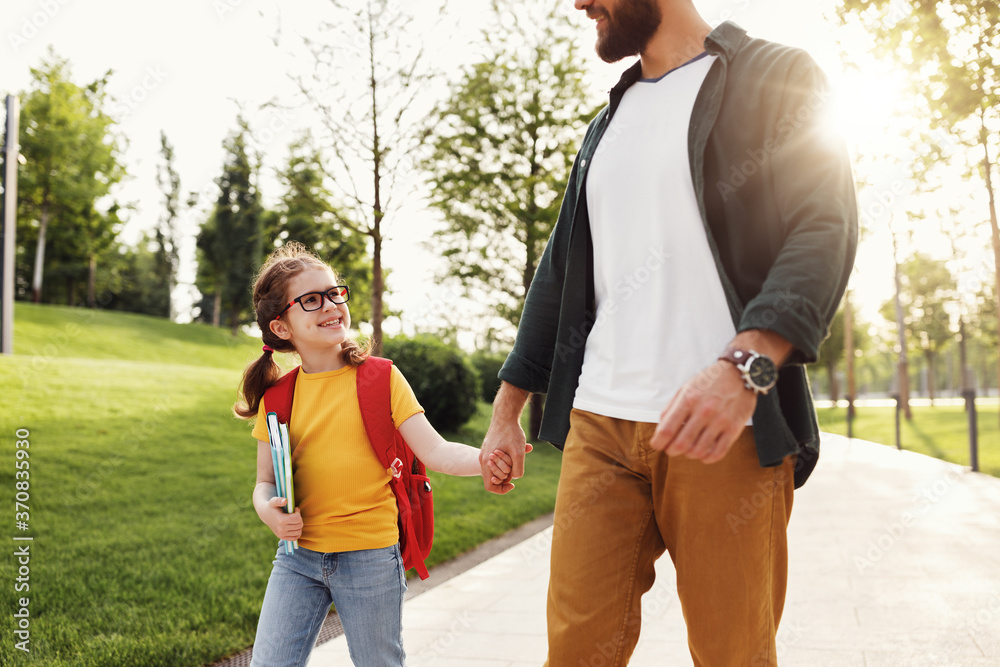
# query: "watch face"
{"points": [[763, 373]]}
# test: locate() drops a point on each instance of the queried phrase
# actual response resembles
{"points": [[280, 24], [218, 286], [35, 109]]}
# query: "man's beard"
{"points": [[627, 32]]}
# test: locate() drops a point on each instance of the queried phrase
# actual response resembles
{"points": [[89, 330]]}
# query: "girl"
{"points": [[345, 522]]}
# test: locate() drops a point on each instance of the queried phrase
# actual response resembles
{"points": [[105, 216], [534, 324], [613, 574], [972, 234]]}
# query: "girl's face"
{"points": [[317, 330]]}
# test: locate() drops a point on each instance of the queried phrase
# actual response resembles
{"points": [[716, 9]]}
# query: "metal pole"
{"points": [[849, 361], [969, 393], [970, 408], [899, 440], [8, 227]]}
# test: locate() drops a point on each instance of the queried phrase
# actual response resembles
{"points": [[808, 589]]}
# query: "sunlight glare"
{"points": [[865, 106]]}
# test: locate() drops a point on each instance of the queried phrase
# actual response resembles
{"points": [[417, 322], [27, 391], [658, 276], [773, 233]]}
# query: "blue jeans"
{"points": [[365, 586]]}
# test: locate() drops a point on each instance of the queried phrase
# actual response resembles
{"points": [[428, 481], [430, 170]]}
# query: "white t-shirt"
{"points": [[662, 314]]}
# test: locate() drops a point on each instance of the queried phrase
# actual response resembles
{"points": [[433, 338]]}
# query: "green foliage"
{"points": [[503, 147], [135, 279], [167, 251], [952, 49], [983, 321], [71, 164], [230, 243], [307, 214], [831, 350], [488, 364], [926, 287], [442, 378]]}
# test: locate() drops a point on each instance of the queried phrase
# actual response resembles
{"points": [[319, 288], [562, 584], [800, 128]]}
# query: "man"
{"points": [[704, 243]]}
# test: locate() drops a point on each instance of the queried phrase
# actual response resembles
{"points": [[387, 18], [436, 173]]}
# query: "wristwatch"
{"points": [[757, 370]]}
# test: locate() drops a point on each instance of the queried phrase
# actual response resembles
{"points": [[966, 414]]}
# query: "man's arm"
{"points": [[505, 433], [786, 321], [707, 414]]}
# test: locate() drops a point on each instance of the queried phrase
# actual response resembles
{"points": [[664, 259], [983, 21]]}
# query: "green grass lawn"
{"points": [[939, 431], [146, 547]]}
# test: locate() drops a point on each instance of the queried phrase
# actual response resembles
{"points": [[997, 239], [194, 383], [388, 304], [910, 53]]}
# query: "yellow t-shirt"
{"points": [[341, 487]]}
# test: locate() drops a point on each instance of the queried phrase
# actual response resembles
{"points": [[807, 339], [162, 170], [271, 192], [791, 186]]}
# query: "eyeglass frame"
{"points": [[324, 295]]}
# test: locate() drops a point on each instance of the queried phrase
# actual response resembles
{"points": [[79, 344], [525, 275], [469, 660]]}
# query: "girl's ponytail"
{"points": [[257, 377], [354, 353]]}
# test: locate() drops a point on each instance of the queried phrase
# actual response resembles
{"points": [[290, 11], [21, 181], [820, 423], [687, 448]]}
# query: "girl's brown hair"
{"points": [[269, 298]]}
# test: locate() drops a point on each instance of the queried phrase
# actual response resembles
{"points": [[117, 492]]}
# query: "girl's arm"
{"points": [[452, 458], [267, 503]]}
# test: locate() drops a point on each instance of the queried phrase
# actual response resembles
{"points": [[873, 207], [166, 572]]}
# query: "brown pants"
{"points": [[620, 504]]}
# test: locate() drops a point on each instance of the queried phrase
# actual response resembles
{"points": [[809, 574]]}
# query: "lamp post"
{"points": [[8, 225]]}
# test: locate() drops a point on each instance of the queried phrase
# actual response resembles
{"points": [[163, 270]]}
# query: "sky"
{"points": [[188, 67]]}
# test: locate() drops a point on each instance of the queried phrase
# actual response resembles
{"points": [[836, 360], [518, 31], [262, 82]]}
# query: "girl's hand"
{"points": [[285, 526], [500, 464]]}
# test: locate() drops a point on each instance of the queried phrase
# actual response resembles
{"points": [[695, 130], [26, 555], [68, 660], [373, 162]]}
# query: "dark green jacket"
{"points": [[777, 198]]}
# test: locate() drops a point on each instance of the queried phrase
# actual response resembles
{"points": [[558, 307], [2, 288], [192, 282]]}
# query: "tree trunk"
{"points": [[92, 282], [171, 311], [378, 287], [36, 283], [378, 283], [849, 361], [963, 357], [831, 374], [217, 309], [929, 356], [903, 365], [988, 175]]}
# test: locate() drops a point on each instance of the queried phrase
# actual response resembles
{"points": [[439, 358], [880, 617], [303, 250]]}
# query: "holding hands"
{"points": [[505, 436]]}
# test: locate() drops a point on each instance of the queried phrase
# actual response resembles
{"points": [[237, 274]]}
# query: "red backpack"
{"points": [[410, 484]]}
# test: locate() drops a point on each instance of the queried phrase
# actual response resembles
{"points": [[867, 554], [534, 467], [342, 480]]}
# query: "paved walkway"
{"points": [[895, 560]]}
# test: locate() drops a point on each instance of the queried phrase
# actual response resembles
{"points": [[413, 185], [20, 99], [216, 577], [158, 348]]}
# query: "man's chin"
{"points": [[613, 56]]}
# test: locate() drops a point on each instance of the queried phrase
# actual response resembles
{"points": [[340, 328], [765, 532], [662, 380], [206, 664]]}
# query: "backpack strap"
{"points": [[278, 397], [374, 399]]}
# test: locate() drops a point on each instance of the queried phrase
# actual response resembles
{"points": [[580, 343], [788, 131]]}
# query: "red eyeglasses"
{"points": [[311, 301]]}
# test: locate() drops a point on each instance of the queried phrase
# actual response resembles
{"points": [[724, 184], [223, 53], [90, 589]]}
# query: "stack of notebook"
{"points": [[281, 457]]}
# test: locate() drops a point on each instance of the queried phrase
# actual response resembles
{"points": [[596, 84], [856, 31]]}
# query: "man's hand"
{"points": [[509, 439], [706, 415], [505, 434]]}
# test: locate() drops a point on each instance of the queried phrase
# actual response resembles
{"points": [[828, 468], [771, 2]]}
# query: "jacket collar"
{"points": [[724, 41]]}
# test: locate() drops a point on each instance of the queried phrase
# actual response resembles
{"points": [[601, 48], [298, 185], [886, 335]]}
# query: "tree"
{"points": [[230, 242], [951, 50], [926, 287], [129, 279], [71, 163], [373, 128], [502, 151], [832, 350], [306, 214], [165, 234]]}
